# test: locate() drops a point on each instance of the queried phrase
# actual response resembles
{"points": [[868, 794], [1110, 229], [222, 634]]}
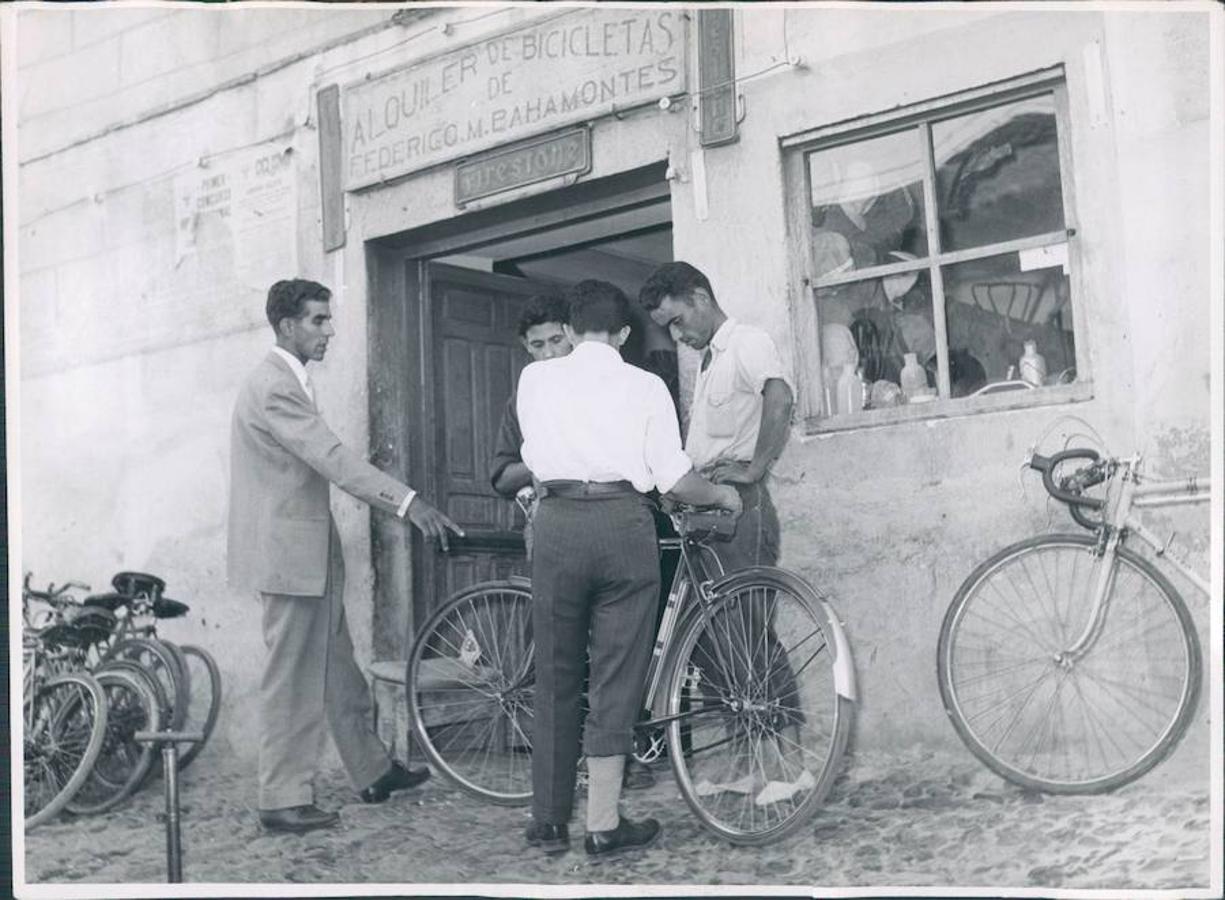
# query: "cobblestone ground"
{"points": [[907, 819]]}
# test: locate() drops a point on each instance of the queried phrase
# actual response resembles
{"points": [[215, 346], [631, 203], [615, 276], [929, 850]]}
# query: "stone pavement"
{"points": [[915, 818]]}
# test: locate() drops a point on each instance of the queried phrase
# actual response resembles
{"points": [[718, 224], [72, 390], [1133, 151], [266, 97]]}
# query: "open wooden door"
{"points": [[476, 362]]}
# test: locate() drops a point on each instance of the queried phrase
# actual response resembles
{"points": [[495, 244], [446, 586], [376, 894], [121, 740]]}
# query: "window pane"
{"points": [[873, 326], [867, 203], [995, 306], [998, 174]]}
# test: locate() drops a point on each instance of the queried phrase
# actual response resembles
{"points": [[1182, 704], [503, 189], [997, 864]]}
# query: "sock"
{"points": [[604, 775]]}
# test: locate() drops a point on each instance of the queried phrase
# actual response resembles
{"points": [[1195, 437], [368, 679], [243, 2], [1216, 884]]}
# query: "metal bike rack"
{"points": [[169, 741]]}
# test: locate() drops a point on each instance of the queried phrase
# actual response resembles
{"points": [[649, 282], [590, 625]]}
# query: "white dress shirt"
{"points": [[299, 371], [590, 416], [725, 418]]}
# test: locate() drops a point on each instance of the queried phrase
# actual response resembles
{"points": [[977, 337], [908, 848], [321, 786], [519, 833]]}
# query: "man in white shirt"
{"points": [[738, 424], [283, 544], [597, 435]]}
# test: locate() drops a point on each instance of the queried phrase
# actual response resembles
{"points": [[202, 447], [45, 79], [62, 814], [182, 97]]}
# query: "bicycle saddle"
{"points": [[719, 526], [165, 608], [132, 583], [109, 602], [88, 626]]}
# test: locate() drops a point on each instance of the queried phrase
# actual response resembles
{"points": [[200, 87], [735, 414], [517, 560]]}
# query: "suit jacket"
{"points": [[282, 458]]}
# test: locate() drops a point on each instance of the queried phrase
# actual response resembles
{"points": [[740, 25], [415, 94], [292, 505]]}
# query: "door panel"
{"points": [[477, 362]]}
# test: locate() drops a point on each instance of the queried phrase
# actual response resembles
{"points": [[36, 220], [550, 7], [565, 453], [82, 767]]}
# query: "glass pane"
{"points": [[997, 172], [867, 203], [877, 339], [996, 308]]}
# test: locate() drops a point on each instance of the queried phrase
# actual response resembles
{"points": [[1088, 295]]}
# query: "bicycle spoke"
{"points": [[1114, 704]]}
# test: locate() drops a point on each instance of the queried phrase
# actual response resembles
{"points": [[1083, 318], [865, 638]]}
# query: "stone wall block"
{"points": [[42, 34], [69, 81], [91, 24], [165, 45]]}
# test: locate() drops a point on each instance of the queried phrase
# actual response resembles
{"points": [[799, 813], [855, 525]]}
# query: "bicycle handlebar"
{"points": [[53, 595], [1094, 474]]}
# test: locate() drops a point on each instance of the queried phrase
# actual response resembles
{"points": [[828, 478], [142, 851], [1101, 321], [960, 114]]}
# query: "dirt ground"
{"points": [[908, 819]]}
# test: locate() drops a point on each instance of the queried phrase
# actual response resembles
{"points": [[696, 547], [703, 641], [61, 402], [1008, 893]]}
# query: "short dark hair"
{"points": [[287, 299], [542, 308], [674, 279], [598, 307]]}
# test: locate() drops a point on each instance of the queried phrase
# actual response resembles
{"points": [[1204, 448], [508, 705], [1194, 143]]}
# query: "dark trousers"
{"points": [[595, 584], [750, 628]]}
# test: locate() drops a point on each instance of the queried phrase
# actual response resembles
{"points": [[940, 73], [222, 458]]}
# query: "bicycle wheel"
{"points": [[205, 702], [123, 763], [1041, 718], [65, 726], [162, 663], [757, 728], [471, 678]]}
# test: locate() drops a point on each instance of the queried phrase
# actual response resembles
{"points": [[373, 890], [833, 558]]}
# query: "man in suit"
{"points": [[284, 545]]}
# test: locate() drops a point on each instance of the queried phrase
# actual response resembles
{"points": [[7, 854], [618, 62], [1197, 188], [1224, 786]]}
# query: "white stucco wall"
{"points": [[131, 356]]}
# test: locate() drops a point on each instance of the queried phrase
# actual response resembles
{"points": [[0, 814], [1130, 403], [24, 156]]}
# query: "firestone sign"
{"points": [[545, 74]]}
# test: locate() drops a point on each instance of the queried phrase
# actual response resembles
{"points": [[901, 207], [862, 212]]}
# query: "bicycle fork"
{"points": [[1118, 501]]}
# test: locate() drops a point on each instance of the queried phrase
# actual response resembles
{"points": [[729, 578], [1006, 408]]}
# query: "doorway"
{"points": [[445, 357]]}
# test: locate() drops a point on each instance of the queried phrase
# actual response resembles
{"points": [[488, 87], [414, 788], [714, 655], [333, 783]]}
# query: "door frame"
{"points": [[400, 372]]}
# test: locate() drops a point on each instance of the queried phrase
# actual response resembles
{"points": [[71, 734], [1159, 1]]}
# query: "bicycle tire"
{"points": [[205, 703], [758, 672], [1053, 754], [162, 662], [470, 679], [50, 721], [159, 692], [123, 763]]}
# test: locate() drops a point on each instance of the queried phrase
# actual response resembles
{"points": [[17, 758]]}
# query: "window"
{"points": [[937, 251]]}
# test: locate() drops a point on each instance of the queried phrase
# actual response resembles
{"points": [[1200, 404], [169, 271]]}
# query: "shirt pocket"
{"points": [[721, 408]]}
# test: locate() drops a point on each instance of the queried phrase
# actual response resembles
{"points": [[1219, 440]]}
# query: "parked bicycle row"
{"points": [[95, 675]]}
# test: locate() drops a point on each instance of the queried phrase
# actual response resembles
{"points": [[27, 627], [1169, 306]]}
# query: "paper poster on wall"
{"points": [[243, 203]]}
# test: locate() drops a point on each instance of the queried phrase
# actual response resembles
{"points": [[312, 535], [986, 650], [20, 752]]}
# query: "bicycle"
{"points": [[132, 696], [750, 690], [1068, 663], [64, 717], [188, 676]]}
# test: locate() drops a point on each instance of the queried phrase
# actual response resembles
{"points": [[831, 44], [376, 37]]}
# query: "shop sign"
{"points": [[544, 74], [716, 77], [503, 170]]}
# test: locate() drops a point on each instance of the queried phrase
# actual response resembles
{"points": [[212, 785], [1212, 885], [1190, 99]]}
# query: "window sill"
{"points": [[950, 409]]}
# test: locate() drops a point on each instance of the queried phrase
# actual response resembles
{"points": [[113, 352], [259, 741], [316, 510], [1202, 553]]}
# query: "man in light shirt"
{"points": [[597, 434], [738, 425], [284, 545]]}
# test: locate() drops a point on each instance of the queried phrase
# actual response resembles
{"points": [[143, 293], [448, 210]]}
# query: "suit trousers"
{"points": [[310, 676], [595, 585]]}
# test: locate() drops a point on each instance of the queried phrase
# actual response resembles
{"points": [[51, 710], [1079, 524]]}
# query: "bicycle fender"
{"points": [[844, 665]]}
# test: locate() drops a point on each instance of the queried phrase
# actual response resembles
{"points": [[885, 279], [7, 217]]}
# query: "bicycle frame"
{"points": [[689, 573], [1125, 491]]}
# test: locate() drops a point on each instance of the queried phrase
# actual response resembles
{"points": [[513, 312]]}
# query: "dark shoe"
{"points": [[638, 777], [397, 778], [551, 839], [297, 819], [626, 836]]}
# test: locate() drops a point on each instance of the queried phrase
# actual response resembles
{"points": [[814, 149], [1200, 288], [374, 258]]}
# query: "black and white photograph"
{"points": [[551, 449]]}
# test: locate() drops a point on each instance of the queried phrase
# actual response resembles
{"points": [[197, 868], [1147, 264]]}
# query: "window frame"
{"points": [[922, 116]]}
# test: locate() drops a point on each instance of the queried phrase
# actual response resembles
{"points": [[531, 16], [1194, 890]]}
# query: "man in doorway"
{"points": [[598, 434], [542, 331], [739, 423], [283, 543]]}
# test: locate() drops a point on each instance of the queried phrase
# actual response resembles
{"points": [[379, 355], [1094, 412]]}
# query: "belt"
{"points": [[587, 490]]}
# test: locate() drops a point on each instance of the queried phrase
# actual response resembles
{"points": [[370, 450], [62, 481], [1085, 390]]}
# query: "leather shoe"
{"points": [[297, 819], [397, 778], [626, 836], [552, 839]]}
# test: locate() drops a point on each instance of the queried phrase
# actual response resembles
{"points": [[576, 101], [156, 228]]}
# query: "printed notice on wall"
{"points": [[242, 203], [569, 68]]}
